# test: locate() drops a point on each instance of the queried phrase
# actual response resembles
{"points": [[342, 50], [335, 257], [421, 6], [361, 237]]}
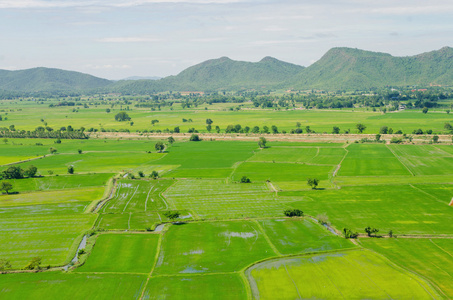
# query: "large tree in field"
{"points": [[159, 146], [360, 127], [313, 182], [262, 142], [6, 186], [122, 116]]}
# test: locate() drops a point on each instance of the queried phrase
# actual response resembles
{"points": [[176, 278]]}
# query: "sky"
{"points": [[116, 39]]}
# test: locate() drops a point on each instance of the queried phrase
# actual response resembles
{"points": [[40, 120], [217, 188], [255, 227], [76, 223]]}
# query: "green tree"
{"points": [[80, 151], [52, 150], [245, 179], [70, 169], [371, 231], [360, 127], [209, 122], [425, 110], [435, 139], [34, 264], [194, 138], [155, 121], [154, 174], [31, 171], [172, 215], [176, 129], [349, 234], [274, 129], [293, 212], [171, 140], [313, 182], [336, 130], [159, 146], [378, 137], [262, 142], [13, 172], [6, 186], [5, 265], [122, 116], [208, 128], [141, 174], [384, 130]]}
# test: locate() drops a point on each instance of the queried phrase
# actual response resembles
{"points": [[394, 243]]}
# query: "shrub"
{"points": [[194, 138], [293, 212], [396, 140], [245, 179], [349, 234]]}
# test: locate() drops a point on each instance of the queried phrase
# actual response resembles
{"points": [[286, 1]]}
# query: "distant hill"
{"points": [[48, 80], [219, 74], [142, 78], [339, 68], [346, 68]]}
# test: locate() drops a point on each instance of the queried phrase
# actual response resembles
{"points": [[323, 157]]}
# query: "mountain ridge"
{"points": [[339, 68]]}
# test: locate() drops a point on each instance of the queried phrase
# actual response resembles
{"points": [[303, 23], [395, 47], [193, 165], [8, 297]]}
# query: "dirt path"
{"points": [[308, 138]]}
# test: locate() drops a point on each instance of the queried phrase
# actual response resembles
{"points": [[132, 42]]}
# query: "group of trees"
{"points": [[293, 212], [44, 132], [370, 231], [16, 172]]}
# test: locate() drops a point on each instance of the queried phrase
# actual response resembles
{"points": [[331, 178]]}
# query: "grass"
{"points": [[425, 159], [208, 154], [404, 188], [57, 285], [211, 247], [99, 162], [50, 237], [138, 196], [218, 199], [371, 160], [281, 171], [60, 182], [431, 258], [128, 253], [52, 197], [225, 286], [401, 208], [350, 275], [291, 236], [29, 116], [309, 155]]}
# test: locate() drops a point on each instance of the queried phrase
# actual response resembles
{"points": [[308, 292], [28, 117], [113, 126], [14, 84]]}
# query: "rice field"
{"points": [[122, 253], [349, 275], [429, 258], [231, 239]]}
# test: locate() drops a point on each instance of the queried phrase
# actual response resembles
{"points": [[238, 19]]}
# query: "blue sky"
{"points": [[116, 39]]}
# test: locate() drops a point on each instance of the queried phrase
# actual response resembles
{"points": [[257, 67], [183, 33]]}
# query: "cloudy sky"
{"points": [[116, 39]]}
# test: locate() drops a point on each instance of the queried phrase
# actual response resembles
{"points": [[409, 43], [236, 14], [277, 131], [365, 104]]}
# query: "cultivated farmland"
{"points": [[211, 220]]}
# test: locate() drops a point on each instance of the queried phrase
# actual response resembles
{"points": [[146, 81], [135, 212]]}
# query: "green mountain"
{"points": [[339, 68], [219, 74], [48, 80], [346, 68]]}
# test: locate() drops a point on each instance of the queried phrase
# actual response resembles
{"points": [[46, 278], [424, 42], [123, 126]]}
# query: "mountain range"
{"points": [[339, 68]]}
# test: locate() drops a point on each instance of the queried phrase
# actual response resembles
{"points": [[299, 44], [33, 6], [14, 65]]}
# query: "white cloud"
{"points": [[131, 39], [118, 3], [107, 66]]}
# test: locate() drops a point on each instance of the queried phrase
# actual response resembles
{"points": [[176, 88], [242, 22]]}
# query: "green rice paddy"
{"points": [[231, 240]]}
